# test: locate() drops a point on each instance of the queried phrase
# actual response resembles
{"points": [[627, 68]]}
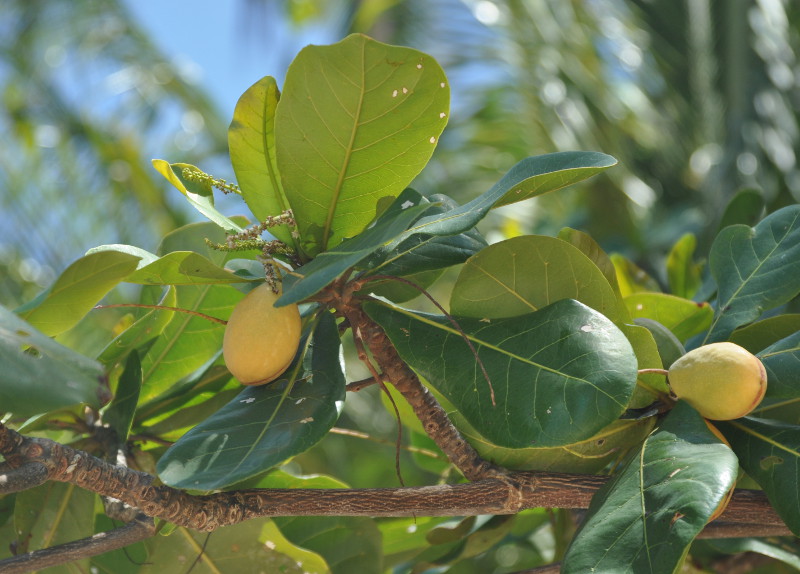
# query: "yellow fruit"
{"points": [[722, 381], [260, 339]]}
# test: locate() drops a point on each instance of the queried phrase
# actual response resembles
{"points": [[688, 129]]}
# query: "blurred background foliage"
{"points": [[696, 98]]}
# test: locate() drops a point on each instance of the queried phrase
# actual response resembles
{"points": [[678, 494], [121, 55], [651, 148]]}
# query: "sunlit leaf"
{"points": [[756, 269], [683, 317], [646, 516], [40, 375], [683, 274], [769, 452], [356, 122], [77, 290], [263, 425], [631, 278], [251, 141], [559, 375], [520, 275]]}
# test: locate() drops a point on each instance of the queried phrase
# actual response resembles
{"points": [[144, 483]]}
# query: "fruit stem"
{"points": [[165, 308], [653, 372]]}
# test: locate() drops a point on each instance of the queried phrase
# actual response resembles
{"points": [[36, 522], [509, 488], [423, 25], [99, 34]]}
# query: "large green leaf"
{"points": [[645, 517], [756, 269], [264, 425], [77, 290], [356, 122], [119, 413], [251, 141], [769, 452], [41, 375], [782, 362], [589, 247], [685, 318], [761, 334], [520, 275], [559, 375], [197, 190], [327, 266], [530, 177]]}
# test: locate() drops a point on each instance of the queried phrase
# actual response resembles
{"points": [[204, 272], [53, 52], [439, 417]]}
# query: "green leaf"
{"points": [[530, 177], [176, 268], [52, 514], [251, 141], [756, 269], [41, 375], [746, 207], [589, 247], [251, 546], [198, 191], [769, 452], [782, 363], [327, 266], [683, 274], [647, 515], [559, 375], [264, 425], [424, 252], [631, 278], [761, 334], [120, 412], [356, 122], [523, 274], [669, 347], [648, 356], [776, 549], [77, 290], [685, 318], [586, 457]]}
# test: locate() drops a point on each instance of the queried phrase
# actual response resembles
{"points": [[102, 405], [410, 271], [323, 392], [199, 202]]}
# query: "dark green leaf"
{"points": [[559, 375], [669, 347], [761, 334], [356, 122], [119, 414], [756, 269], [251, 140], [782, 362], [530, 177], [265, 425], [77, 290], [523, 274], [329, 265], [746, 207], [769, 452], [41, 375], [646, 516]]}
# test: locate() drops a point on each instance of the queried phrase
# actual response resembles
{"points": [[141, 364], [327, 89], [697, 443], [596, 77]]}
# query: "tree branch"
{"points": [[137, 530]]}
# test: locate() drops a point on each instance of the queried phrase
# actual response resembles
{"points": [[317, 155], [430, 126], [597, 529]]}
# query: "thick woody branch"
{"points": [[506, 494]]}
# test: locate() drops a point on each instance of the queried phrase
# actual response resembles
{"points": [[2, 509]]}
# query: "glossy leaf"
{"points": [[761, 334], [198, 191], [251, 141], [530, 177], [77, 290], [769, 452], [756, 269], [327, 266], [356, 122], [523, 274], [685, 318], [120, 412], [41, 375], [175, 268], [264, 425], [559, 375], [683, 274], [645, 517]]}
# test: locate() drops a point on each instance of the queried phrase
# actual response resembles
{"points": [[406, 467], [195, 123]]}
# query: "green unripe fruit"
{"points": [[260, 339], [722, 381]]}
